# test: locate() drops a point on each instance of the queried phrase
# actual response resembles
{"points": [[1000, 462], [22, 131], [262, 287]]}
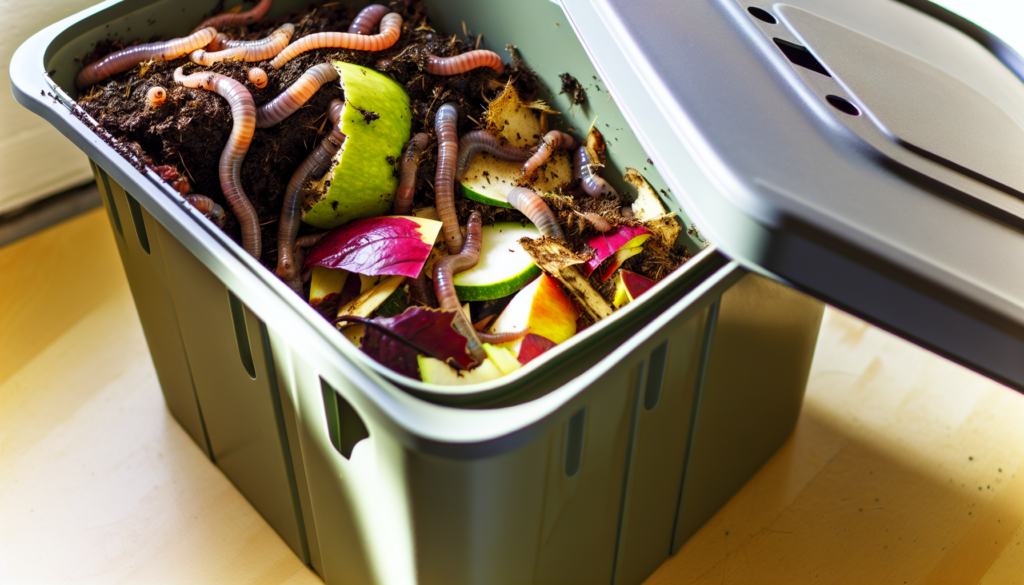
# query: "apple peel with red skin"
{"points": [[617, 259], [532, 347], [392, 245], [607, 244], [629, 286]]}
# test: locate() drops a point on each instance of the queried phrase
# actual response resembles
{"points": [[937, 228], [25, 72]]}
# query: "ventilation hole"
{"points": [[762, 15], [574, 432], [842, 105], [344, 426], [139, 221], [110, 202], [655, 376], [799, 55], [241, 334]]}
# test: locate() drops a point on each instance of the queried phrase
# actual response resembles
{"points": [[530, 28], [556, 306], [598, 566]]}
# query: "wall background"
{"points": [[36, 161]]}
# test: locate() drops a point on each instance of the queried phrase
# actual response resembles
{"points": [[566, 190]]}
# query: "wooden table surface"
{"points": [[903, 468]]}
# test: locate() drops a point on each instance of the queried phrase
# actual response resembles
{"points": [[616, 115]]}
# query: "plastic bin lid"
{"points": [[870, 153]]}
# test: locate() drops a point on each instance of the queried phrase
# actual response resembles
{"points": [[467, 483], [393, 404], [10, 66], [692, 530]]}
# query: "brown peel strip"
{"points": [[559, 262]]}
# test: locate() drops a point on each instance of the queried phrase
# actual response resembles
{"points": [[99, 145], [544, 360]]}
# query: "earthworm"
{"points": [[207, 207], [552, 141], [390, 29], [243, 116], [297, 94], [444, 178], [258, 77], [407, 173], [248, 17], [219, 42], [473, 142], [445, 270], [315, 165], [534, 207], [249, 51], [367, 19], [422, 291], [125, 59], [465, 62], [591, 182], [600, 224], [306, 241], [156, 96]]}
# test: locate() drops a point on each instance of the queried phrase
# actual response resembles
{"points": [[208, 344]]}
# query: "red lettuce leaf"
{"points": [[533, 345], [609, 243], [376, 245], [396, 341]]}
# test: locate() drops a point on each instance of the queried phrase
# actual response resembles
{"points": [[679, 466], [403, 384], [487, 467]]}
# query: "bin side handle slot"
{"points": [[574, 439], [110, 198], [139, 221], [344, 425], [655, 376], [241, 334]]}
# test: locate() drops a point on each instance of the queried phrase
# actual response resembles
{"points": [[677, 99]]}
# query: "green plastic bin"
{"points": [[593, 464]]}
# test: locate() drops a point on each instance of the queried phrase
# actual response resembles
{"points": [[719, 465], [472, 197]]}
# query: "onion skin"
{"points": [[125, 59], [243, 116]]}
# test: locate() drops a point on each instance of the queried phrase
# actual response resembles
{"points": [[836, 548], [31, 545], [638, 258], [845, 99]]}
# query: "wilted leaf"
{"points": [[394, 245], [396, 341]]}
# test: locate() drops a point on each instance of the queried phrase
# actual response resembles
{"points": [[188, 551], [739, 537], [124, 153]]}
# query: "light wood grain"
{"points": [[904, 467]]}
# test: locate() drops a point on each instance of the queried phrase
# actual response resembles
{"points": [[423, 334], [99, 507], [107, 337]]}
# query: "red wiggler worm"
{"points": [[444, 178], [367, 18], [156, 96], [534, 208], [445, 270], [480, 140], [243, 117], [390, 29], [125, 59], [315, 165], [258, 77], [551, 142], [421, 290], [407, 173], [465, 62], [591, 182], [600, 224], [298, 93], [249, 51], [248, 17], [207, 207]]}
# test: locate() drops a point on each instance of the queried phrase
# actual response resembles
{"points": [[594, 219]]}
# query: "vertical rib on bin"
{"points": [[236, 384], [147, 278], [757, 369]]}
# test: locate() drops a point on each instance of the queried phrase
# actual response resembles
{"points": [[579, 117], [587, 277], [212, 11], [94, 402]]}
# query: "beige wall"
{"points": [[35, 160]]}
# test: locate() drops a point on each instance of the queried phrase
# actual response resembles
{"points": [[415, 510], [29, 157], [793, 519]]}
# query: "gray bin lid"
{"points": [[870, 153]]}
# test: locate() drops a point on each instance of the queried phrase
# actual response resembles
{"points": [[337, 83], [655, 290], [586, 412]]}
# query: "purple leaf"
{"points": [[377, 245], [396, 341], [533, 345]]}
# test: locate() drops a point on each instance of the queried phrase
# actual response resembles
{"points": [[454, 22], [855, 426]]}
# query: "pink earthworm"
{"points": [[258, 77], [297, 94], [465, 62], [243, 116], [600, 224], [534, 207], [219, 42], [390, 30], [551, 142], [407, 173], [207, 207], [445, 270], [591, 182], [422, 291], [444, 178], [125, 59], [306, 241], [480, 140], [367, 18], [315, 165], [248, 17], [156, 96], [249, 51]]}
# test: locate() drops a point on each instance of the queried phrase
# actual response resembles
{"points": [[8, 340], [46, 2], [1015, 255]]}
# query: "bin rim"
{"points": [[443, 428]]}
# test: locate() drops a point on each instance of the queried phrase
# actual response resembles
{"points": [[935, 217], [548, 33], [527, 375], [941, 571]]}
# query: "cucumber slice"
{"points": [[489, 179], [504, 266]]}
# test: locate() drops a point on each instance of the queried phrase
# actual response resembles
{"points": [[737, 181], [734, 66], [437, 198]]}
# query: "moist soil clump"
{"points": [[182, 139]]}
